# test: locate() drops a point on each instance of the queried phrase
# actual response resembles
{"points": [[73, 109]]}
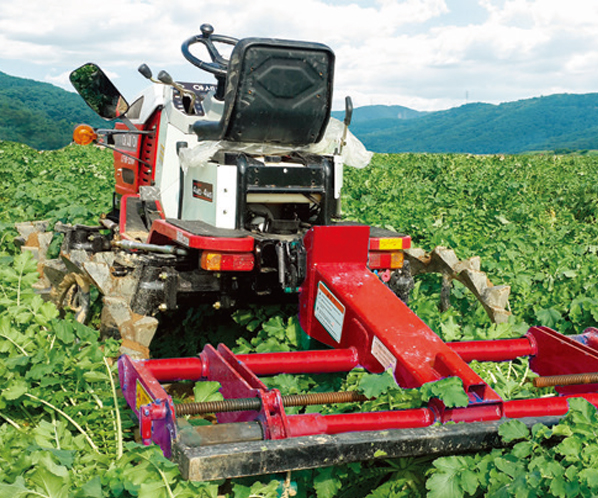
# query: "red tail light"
{"points": [[385, 260], [227, 261]]}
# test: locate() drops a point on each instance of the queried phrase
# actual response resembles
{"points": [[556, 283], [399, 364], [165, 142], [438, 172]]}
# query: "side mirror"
{"points": [[348, 111], [99, 92]]}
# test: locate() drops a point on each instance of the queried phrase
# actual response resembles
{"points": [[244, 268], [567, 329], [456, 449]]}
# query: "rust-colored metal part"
{"points": [[566, 380], [245, 404]]}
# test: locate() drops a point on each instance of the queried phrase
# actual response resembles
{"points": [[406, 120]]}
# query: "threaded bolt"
{"points": [[566, 380], [225, 405], [246, 404]]}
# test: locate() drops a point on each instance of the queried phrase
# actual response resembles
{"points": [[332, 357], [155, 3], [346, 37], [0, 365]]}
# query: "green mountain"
{"points": [[40, 115], [43, 116], [555, 122], [380, 112]]}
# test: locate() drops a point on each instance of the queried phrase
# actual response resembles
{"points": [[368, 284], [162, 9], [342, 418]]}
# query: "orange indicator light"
{"points": [[84, 135]]}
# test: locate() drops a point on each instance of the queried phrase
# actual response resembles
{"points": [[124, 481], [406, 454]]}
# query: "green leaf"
{"points": [[327, 483], [548, 317], [510, 465], [394, 488], [469, 481], [257, 489], [25, 264], [51, 479], [207, 391], [373, 385], [445, 480], [275, 327], [64, 331], [18, 488], [293, 331], [95, 376], [513, 430], [64, 457], [522, 450], [91, 489], [541, 432], [581, 411], [590, 477], [15, 389], [558, 488], [40, 371], [153, 489], [450, 391], [49, 312], [451, 330], [570, 447]]}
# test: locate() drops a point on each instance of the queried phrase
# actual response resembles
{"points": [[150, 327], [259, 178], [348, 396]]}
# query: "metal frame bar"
{"points": [[230, 460], [373, 329]]}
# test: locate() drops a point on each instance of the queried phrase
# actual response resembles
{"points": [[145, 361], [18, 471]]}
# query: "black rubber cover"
{"points": [[277, 91], [205, 229]]}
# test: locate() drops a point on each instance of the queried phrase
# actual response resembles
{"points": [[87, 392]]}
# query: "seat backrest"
{"points": [[278, 91]]}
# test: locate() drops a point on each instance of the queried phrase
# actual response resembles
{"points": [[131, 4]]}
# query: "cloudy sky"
{"points": [[423, 54]]}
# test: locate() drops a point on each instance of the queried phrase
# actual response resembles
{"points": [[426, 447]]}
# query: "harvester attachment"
{"points": [[86, 260], [344, 306], [494, 298]]}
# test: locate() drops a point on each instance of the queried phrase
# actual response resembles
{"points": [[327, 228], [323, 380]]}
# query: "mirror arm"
{"points": [[104, 144], [112, 131], [346, 122], [127, 123]]}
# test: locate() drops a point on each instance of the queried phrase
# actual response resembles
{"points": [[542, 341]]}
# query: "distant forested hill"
{"points": [[40, 115], [370, 113], [556, 122], [43, 116]]}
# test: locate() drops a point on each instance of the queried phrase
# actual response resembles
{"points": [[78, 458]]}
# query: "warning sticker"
{"points": [[383, 355], [182, 238], [330, 312], [141, 396]]}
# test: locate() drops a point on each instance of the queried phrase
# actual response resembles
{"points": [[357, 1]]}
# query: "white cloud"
{"points": [[408, 52], [61, 79]]}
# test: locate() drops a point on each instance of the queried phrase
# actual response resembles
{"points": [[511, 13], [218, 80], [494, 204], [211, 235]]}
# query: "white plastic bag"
{"points": [[354, 153]]}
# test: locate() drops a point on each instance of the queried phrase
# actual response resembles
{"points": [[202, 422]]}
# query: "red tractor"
{"points": [[216, 187], [229, 194]]}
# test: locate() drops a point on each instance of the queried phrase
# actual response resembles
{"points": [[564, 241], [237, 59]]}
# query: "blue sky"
{"points": [[423, 54]]}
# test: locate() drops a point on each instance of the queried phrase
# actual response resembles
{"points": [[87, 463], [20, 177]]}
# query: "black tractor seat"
{"points": [[277, 92]]}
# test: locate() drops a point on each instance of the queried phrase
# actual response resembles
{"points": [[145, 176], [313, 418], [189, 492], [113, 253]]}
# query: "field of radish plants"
{"points": [[533, 219]]}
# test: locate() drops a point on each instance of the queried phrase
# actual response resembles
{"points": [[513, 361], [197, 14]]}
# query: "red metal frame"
{"points": [[343, 305], [144, 147], [238, 375], [558, 354], [163, 232], [374, 321]]}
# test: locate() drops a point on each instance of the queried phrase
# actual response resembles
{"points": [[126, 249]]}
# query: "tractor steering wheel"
{"points": [[219, 65]]}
